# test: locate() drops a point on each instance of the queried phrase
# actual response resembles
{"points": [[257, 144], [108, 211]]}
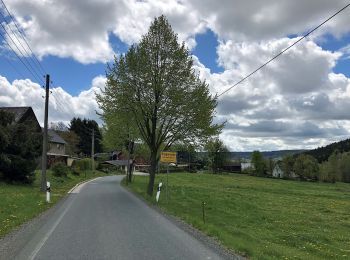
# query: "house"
{"points": [[279, 173], [56, 151], [56, 145], [24, 115], [246, 165]]}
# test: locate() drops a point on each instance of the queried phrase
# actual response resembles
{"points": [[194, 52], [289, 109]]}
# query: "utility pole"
{"points": [[92, 150], [45, 142], [128, 171]]}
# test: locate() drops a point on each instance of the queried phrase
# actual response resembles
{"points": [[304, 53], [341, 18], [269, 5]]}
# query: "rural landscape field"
{"points": [[261, 218]]}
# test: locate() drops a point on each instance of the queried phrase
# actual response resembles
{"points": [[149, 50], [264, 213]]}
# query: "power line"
{"points": [[30, 71], [14, 67], [283, 51], [58, 101], [22, 34], [15, 34]]}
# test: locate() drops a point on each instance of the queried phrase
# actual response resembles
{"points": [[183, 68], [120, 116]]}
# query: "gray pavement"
{"points": [[105, 221]]}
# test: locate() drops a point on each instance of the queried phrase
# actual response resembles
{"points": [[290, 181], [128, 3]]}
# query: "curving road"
{"points": [[102, 220]]}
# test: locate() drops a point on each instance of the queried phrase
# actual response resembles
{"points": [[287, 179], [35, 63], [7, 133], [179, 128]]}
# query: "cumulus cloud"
{"points": [[242, 20], [62, 105], [80, 29], [295, 99]]}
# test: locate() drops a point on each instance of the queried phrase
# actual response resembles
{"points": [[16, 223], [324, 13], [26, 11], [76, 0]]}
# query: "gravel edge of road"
{"points": [[208, 241]]}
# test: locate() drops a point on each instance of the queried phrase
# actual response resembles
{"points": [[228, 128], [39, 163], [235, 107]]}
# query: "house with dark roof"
{"points": [[57, 145], [24, 115], [56, 150]]}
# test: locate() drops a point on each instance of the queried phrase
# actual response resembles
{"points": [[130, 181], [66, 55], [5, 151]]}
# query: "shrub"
{"points": [[60, 170], [82, 165], [75, 171], [306, 167]]}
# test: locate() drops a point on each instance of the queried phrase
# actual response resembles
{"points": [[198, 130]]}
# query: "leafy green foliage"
{"points": [[217, 154], [153, 93], [82, 165], [60, 169], [306, 167], [20, 149], [258, 163], [287, 165], [336, 168], [83, 129]]}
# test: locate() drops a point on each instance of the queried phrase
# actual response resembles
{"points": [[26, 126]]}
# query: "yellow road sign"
{"points": [[168, 157]]}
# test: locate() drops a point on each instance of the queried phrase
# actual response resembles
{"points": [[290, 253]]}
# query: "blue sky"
{"points": [[334, 44], [205, 50]]}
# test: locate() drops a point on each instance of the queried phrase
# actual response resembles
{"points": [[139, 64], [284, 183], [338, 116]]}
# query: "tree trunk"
{"points": [[152, 173]]}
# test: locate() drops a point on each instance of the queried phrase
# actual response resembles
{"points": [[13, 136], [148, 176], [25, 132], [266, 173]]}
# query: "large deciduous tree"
{"points": [[154, 89]]}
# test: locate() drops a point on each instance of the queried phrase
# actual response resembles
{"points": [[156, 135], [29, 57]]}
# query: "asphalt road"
{"points": [[102, 220]]}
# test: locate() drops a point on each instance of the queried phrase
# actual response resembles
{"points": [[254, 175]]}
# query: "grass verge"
{"points": [[20, 203], [261, 218]]}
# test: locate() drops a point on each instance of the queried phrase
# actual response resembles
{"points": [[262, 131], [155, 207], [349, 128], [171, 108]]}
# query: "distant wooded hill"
{"points": [[247, 155], [322, 153], [268, 154]]}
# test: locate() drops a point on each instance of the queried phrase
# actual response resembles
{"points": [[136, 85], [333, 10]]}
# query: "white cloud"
{"points": [[62, 105], [80, 29], [295, 99], [242, 20]]}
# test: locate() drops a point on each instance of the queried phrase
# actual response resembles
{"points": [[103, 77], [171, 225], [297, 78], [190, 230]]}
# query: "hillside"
{"points": [[267, 154], [322, 153]]}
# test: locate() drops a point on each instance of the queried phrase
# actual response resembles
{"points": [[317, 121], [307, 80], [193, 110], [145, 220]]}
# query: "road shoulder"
{"points": [[207, 241]]}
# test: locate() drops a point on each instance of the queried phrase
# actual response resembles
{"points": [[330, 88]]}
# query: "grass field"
{"points": [[19, 203], [262, 218]]}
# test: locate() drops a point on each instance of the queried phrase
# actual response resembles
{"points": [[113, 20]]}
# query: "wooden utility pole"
{"points": [[93, 150], [45, 142]]}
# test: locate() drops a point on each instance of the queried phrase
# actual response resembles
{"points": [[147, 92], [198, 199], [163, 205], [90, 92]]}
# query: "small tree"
{"points": [[154, 89], [258, 163], [270, 165], [287, 165], [306, 167], [344, 166], [217, 154]]}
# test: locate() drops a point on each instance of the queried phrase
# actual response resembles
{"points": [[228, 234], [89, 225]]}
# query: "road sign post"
{"points": [[158, 191], [48, 192], [167, 182], [168, 157]]}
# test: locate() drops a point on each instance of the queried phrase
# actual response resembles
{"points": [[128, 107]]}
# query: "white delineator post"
{"points": [[158, 191], [48, 191]]}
